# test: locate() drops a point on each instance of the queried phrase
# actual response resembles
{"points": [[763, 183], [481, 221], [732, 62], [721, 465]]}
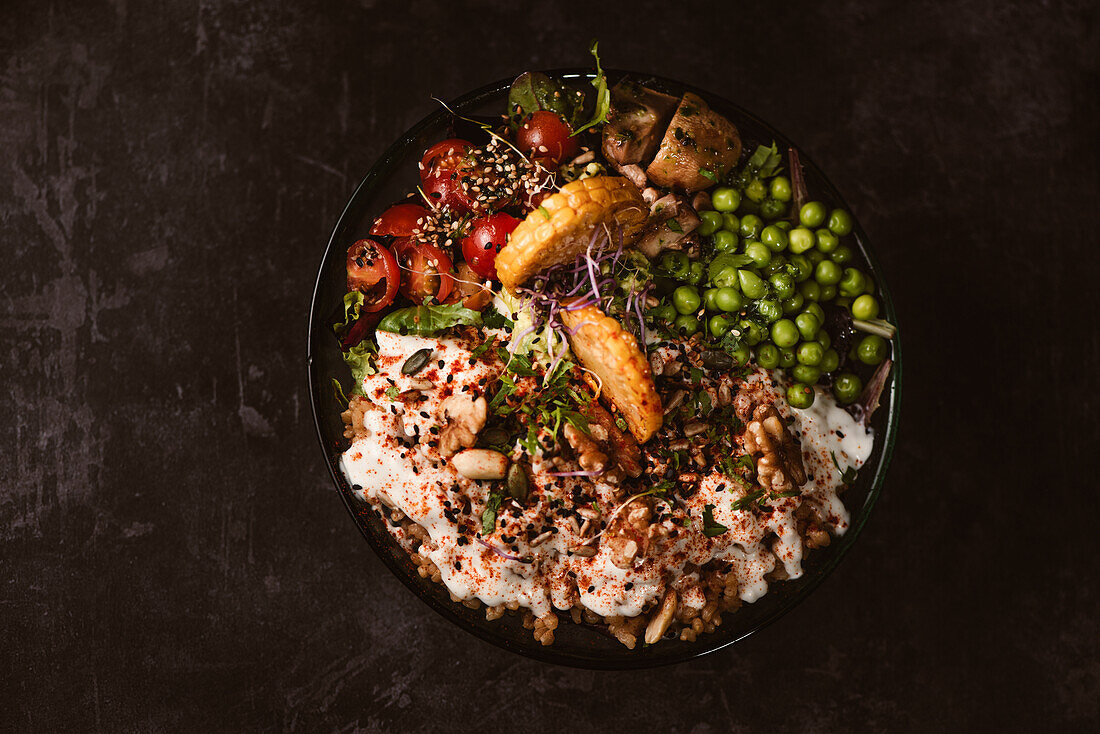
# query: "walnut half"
{"points": [[465, 416], [779, 466], [630, 535]]}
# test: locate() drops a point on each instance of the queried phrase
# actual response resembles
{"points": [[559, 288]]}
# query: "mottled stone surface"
{"points": [[172, 555]]}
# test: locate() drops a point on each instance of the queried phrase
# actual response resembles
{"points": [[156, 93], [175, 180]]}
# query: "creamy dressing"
{"points": [[530, 560]]}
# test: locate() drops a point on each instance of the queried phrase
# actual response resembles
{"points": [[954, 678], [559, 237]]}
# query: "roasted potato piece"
{"points": [[602, 345], [698, 139], [560, 230]]}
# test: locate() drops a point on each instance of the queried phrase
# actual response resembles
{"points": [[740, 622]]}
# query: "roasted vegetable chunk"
{"points": [[699, 148], [635, 124], [602, 345]]}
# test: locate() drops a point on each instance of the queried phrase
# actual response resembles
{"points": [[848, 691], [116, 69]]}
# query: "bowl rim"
{"points": [[676, 653]]}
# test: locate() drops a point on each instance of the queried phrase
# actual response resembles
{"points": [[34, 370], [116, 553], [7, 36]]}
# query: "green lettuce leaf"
{"points": [[428, 320]]}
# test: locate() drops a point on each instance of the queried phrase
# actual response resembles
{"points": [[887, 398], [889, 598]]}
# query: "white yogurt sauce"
{"points": [[413, 477]]}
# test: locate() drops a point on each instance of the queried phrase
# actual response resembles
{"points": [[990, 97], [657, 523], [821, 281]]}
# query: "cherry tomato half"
{"points": [[487, 236], [399, 220], [546, 135], [449, 154], [442, 173], [373, 271], [426, 270]]}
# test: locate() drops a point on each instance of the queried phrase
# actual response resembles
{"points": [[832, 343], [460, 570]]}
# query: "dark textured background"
{"points": [[172, 553]]}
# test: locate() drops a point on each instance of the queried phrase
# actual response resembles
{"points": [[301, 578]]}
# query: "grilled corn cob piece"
{"points": [[560, 230], [605, 347]]}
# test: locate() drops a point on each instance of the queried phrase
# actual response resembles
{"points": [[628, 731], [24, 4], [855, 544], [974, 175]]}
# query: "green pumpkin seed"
{"points": [[416, 362]]}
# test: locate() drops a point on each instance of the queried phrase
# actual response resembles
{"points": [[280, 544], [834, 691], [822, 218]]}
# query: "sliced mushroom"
{"points": [[699, 148]]}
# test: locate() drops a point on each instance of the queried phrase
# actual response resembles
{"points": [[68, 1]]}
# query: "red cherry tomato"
{"points": [[546, 135], [445, 190], [373, 271], [449, 154], [426, 270], [399, 220], [487, 236], [442, 172]]}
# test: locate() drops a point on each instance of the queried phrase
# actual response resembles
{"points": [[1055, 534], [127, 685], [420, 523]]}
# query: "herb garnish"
{"points": [[603, 95], [489, 516], [711, 527], [338, 390]]}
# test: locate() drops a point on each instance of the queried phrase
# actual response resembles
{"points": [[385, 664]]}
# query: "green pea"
{"points": [[675, 263], [808, 325], [782, 284], [751, 226], [769, 310], [730, 222], [840, 222], [775, 266], [710, 299], [784, 333], [829, 362], [711, 223], [759, 253], [773, 208], [817, 311], [847, 387], [686, 299], [719, 325], [751, 284], [871, 349], [826, 241], [793, 304], [767, 356], [810, 354], [812, 214], [728, 300], [824, 339], [687, 324], [741, 355], [851, 285], [828, 273], [865, 308], [810, 290], [725, 199], [725, 241], [842, 255], [803, 269], [784, 225], [842, 301], [774, 238], [806, 373], [780, 188], [800, 396], [787, 358], [726, 278], [868, 284], [720, 262], [801, 240], [756, 190], [695, 273], [828, 293], [751, 332], [663, 313]]}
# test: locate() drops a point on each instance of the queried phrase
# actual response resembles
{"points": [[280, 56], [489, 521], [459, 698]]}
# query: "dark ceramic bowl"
{"points": [[391, 178]]}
